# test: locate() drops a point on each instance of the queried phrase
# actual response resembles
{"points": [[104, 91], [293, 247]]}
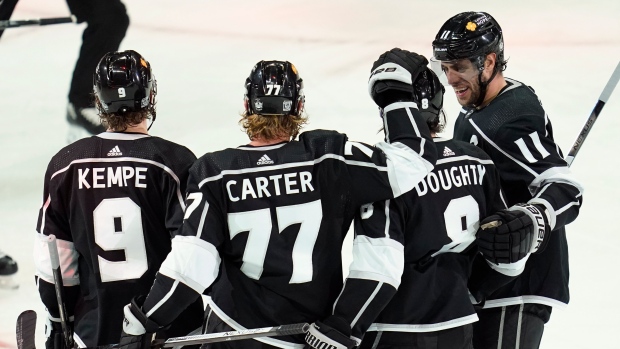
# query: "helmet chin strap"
{"points": [[483, 85], [152, 122]]}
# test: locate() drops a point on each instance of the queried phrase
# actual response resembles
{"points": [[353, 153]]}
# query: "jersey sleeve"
{"points": [[194, 261], [52, 221], [532, 156], [486, 277], [377, 266], [394, 167]]}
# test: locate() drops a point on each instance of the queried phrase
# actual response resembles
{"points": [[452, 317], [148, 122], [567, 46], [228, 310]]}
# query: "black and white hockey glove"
{"points": [[510, 235], [55, 339], [333, 333], [392, 76], [138, 330]]}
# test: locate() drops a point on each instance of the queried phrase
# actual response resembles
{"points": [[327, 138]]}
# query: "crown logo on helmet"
{"points": [[471, 26]]}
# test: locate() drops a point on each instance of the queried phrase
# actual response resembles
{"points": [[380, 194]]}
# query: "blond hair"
{"points": [[271, 127]]}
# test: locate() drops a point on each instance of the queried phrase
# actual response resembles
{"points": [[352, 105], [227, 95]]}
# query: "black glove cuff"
{"points": [[540, 222]]}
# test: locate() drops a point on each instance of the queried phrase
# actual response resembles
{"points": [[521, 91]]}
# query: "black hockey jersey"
{"points": [[113, 201], [437, 223], [517, 134], [273, 219]]}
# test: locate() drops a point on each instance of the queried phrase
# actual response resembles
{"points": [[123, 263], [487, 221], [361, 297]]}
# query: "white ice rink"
{"points": [[202, 51]]}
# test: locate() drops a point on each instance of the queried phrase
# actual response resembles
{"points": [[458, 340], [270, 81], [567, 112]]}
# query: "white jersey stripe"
{"points": [[290, 165], [271, 147], [464, 157], [132, 159], [163, 300], [237, 327], [387, 218], [202, 219], [122, 136], [501, 150], [502, 302], [425, 327], [368, 301]]}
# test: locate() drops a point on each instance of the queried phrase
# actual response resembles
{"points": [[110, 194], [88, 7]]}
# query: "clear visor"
{"points": [[457, 69]]}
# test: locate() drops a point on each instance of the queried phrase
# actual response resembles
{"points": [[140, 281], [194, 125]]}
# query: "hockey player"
{"points": [[437, 224], [113, 201], [8, 269], [265, 222], [505, 118]]}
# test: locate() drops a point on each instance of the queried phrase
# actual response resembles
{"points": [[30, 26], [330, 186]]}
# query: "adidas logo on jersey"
{"points": [[448, 152], [116, 151], [264, 160]]}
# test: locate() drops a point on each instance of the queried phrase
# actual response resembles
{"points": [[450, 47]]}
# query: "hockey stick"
{"points": [[609, 88], [40, 21], [25, 329], [284, 330], [60, 292]]}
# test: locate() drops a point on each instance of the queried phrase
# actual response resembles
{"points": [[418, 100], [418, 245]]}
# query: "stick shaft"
{"points": [[283, 330], [609, 88], [60, 292], [39, 21]]}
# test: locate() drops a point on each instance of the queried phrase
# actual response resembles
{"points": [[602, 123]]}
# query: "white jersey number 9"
{"points": [[118, 226]]}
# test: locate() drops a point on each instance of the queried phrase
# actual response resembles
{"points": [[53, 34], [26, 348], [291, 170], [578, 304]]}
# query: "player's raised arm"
{"points": [[408, 153]]}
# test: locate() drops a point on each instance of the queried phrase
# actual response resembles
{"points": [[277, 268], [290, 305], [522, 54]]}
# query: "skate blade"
{"points": [[8, 283]]}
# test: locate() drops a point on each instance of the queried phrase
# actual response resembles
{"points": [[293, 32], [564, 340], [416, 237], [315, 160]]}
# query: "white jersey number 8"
{"points": [[462, 218], [118, 226]]}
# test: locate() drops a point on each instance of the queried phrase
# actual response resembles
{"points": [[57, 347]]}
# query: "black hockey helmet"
{"points": [[469, 35], [123, 82], [274, 88], [428, 93]]}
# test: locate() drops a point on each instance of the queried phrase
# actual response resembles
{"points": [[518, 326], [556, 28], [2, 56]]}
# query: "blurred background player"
{"points": [[113, 201], [8, 269], [266, 221], [505, 118], [437, 224], [107, 22]]}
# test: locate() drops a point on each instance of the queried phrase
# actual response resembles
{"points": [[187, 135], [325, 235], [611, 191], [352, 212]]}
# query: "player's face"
{"points": [[462, 75]]}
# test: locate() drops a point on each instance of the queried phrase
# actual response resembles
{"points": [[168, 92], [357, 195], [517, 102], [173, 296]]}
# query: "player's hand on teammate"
{"points": [[392, 76], [55, 337], [334, 333], [137, 328], [511, 234]]}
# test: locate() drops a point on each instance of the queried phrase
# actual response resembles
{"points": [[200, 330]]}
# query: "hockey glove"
{"points": [[510, 235], [55, 338], [138, 330], [392, 76], [333, 333]]}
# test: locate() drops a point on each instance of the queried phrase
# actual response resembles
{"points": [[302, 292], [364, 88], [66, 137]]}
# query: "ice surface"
{"points": [[201, 52]]}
